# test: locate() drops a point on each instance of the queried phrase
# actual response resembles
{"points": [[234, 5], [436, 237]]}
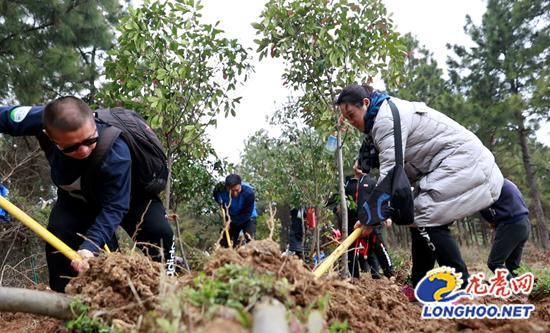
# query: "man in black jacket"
{"points": [[68, 134]]}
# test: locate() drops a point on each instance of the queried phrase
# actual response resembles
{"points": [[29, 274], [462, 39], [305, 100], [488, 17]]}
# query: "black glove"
{"points": [[218, 190]]}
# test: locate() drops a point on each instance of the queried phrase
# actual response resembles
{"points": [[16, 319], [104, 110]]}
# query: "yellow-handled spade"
{"points": [[38, 229], [226, 228], [341, 249]]}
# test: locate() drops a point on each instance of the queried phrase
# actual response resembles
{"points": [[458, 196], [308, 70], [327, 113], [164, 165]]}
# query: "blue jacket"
{"points": [[243, 207], [3, 214], [66, 172], [509, 208]]}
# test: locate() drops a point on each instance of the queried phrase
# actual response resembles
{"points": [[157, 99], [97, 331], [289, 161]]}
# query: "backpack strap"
{"points": [[104, 144], [98, 155], [45, 143], [397, 134]]}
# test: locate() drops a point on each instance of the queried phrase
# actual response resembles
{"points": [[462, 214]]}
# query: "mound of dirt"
{"points": [[118, 286], [367, 304], [127, 287]]}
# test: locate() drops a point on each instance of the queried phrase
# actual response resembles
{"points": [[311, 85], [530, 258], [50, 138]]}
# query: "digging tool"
{"points": [[226, 228], [38, 229], [341, 249]]}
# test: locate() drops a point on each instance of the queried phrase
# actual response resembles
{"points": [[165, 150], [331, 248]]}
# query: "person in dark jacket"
{"points": [[239, 198], [4, 216], [296, 232], [376, 249], [68, 133], [509, 216], [356, 260]]}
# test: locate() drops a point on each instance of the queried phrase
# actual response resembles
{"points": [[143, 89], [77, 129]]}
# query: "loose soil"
{"points": [[124, 289]]}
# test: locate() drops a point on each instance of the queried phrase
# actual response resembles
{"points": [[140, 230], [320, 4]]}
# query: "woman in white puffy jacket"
{"points": [[454, 173]]}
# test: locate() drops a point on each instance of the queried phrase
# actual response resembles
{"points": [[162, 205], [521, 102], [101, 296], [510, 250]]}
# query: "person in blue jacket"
{"points": [[509, 216], [239, 196], [67, 132], [4, 216]]}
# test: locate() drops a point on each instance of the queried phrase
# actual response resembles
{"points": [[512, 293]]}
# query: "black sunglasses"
{"points": [[72, 148]]}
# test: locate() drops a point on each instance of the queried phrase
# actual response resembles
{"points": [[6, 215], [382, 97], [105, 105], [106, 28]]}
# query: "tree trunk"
{"points": [[483, 227], [459, 233], [401, 234], [44, 303], [535, 234], [167, 193], [318, 241], [533, 186], [93, 90], [343, 201], [304, 234], [392, 237], [313, 244], [473, 231], [408, 239]]}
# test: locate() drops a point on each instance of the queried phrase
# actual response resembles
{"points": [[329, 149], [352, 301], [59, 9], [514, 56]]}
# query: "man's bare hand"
{"points": [[81, 265]]}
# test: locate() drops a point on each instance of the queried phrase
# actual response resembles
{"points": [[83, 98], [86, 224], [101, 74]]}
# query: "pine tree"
{"points": [[505, 77], [52, 47]]}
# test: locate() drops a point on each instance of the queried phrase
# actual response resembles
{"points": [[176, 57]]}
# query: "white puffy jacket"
{"points": [[457, 174]]}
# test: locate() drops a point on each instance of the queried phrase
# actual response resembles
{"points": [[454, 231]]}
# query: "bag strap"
{"points": [[397, 134], [103, 145]]}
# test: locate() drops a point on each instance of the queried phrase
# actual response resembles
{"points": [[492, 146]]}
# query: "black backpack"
{"points": [[149, 163], [392, 197]]}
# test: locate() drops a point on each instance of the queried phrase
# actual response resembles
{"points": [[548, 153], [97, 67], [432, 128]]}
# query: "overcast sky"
{"points": [[433, 22]]}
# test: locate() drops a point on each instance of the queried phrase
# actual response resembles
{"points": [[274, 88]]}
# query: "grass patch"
{"points": [[541, 288], [231, 292], [84, 323]]}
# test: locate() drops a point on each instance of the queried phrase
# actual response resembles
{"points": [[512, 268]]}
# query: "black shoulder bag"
{"points": [[392, 197]]}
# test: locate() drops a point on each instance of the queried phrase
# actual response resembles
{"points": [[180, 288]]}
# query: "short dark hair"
{"points": [[67, 113], [232, 180], [354, 94]]}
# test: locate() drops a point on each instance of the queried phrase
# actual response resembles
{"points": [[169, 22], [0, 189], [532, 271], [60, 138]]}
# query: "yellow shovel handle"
{"points": [[341, 249], [226, 229], [38, 229]]}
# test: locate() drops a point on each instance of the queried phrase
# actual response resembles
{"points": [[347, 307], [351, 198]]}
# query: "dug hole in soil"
{"points": [[127, 290]]}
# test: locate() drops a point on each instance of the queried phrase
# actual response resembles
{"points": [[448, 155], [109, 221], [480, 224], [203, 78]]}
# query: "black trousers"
{"points": [[70, 217], [378, 247], [377, 256], [508, 245], [248, 228], [446, 253], [356, 263]]}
